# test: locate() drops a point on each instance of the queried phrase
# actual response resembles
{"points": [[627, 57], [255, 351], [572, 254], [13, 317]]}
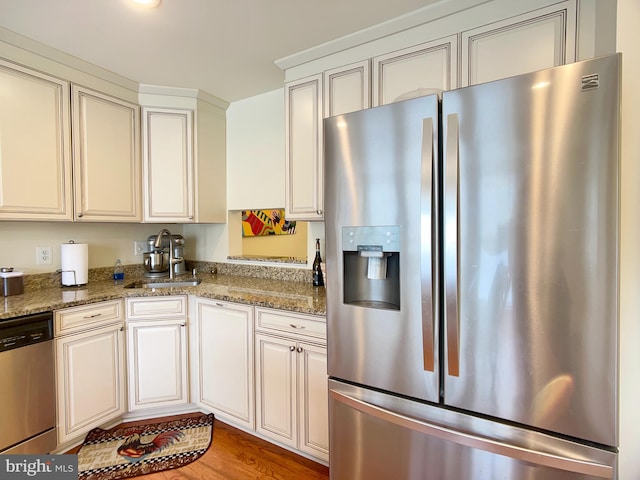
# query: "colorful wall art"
{"points": [[266, 222]]}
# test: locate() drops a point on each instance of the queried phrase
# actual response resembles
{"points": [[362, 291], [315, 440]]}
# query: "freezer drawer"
{"points": [[375, 436]]}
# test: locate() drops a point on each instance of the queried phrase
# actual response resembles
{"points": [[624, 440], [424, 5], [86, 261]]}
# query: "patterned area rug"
{"points": [[124, 452]]}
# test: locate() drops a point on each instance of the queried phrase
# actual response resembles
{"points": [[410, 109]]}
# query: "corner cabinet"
{"points": [[90, 367], [35, 146], [222, 360], [168, 164], [304, 166], [157, 352], [106, 152], [184, 157], [291, 381]]}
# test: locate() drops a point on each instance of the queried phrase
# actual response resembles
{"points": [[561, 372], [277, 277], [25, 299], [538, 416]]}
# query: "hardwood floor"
{"points": [[237, 455]]}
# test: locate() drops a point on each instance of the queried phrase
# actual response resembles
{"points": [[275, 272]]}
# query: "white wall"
{"points": [[107, 241], [628, 42], [255, 152]]}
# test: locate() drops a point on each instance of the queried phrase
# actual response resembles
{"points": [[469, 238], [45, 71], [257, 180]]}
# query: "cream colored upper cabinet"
{"points": [[347, 89], [168, 165], [415, 71], [184, 169], [106, 153], [304, 149], [533, 41], [35, 148]]}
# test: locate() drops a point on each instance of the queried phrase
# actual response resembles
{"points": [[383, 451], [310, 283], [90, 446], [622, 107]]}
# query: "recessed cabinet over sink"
{"points": [[184, 156]]}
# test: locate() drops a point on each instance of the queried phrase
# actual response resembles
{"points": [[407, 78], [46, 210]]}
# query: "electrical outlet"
{"points": [[43, 255], [139, 247]]}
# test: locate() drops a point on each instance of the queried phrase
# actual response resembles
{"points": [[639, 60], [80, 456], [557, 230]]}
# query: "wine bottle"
{"points": [[318, 279]]}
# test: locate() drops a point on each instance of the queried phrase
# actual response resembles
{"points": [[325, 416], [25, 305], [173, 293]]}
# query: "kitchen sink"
{"points": [[167, 284]]}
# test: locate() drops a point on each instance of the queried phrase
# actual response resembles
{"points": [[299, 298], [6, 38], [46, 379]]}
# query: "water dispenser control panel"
{"points": [[379, 238]]}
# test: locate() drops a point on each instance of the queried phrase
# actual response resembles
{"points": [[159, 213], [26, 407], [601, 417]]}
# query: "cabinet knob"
{"points": [[292, 348], [300, 349], [182, 324], [319, 212], [80, 215]]}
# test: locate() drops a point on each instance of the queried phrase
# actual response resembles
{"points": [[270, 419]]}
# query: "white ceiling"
{"points": [[226, 48]]}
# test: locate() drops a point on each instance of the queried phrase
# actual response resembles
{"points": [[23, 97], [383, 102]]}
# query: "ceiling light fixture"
{"points": [[147, 3]]}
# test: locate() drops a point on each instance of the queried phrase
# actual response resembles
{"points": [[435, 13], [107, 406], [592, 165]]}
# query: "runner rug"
{"points": [[125, 452]]}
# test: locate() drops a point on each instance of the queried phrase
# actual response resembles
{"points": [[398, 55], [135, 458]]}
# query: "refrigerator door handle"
{"points": [[428, 236], [523, 454], [451, 244]]}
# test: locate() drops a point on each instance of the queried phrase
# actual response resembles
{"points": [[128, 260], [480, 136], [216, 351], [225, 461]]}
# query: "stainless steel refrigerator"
{"points": [[472, 281]]}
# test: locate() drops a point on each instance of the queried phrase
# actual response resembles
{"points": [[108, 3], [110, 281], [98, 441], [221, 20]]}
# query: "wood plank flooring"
{"points": [[237, 455]]}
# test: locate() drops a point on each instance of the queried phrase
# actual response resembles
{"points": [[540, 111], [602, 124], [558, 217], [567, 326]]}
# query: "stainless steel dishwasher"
{"points": [[27, 393]]}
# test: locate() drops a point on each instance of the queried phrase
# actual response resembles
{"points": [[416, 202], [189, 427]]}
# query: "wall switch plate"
{"points": [[139, 247], [43, 255]]}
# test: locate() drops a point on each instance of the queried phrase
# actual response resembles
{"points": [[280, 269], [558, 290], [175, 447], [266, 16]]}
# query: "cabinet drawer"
{"points": [[294, 323], [154, 307], [84, 317]]}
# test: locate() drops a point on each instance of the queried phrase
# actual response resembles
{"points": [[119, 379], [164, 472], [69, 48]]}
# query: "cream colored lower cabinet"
{"points": [[222, 360], [90, 367], [291, 381], [157, 352]]}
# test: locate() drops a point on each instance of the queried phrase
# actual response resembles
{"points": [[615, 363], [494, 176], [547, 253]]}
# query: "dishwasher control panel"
{"points": [[27, 330]]}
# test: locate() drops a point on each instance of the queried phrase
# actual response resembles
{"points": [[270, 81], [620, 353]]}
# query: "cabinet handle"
{"points": [[92, 316], [122, 328], [302, 327], [300, 350], [220, 304], [292, 348]]}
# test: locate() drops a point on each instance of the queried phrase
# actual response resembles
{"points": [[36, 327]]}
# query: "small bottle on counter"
{"points": [[118, 272], [318, 279]]}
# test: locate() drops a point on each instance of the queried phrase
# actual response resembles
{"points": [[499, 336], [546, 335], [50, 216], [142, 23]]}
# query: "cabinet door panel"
{"points": [[415, 71], [225, 360], [157, 364], [107, 166], [303, 149], [313, 396], [168, 164], [91, 380], [347, 89], [35, 148], [276, 389], [541, 39]]}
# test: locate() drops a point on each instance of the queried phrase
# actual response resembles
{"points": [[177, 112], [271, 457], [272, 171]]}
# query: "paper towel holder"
{"points": [[75, 282], [76, 267]]}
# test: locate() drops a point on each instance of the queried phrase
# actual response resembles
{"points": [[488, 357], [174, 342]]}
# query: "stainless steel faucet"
{"points": [[172, 259]]}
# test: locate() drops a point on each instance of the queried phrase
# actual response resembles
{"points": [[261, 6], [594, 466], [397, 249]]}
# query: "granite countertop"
{"points": [[298, 297]]}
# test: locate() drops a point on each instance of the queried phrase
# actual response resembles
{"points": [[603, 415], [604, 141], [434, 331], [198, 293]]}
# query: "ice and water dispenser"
{"points": [[371, 259]]}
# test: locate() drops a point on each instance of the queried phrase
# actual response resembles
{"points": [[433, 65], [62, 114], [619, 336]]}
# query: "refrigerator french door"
{"points": [[473, 246]]}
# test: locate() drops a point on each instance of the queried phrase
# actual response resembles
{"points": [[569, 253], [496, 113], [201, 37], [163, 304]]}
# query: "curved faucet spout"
{"points": [[172, 259]]}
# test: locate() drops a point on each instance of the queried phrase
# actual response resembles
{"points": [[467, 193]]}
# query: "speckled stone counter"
{"points": [[294, 296]]}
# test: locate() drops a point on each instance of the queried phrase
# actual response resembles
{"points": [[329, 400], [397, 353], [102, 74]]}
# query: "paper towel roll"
{"points": [[74, 263]]}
